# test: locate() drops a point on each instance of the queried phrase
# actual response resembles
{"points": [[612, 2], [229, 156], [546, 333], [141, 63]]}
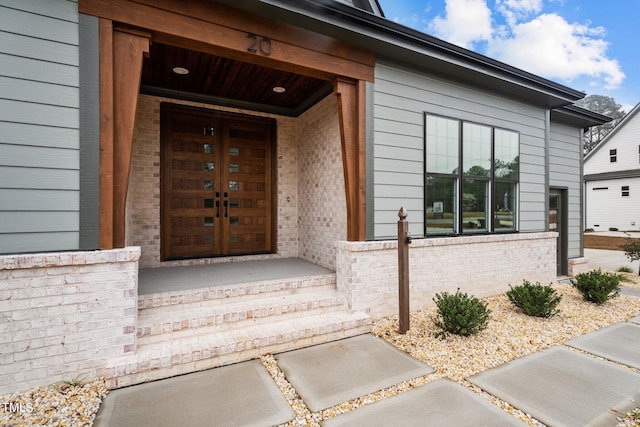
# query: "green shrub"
{"points": [[624, 269], [460, 314], [535, 300], [597, 286], [631, 249]]}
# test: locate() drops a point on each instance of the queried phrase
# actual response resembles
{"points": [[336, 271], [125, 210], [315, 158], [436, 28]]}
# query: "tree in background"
{"points": [[603, 105]]}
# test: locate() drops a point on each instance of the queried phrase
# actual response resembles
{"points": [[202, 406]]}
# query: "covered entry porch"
{"points": [[207, 59]]}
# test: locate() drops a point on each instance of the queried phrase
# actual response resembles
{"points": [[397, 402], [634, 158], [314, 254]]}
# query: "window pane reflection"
{"points": [[505, 206], [442, 145], [441, 205], [506, 163], [475, 199], [476, 149]]}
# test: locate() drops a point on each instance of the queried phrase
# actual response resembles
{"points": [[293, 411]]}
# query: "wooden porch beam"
{"points": [[105, 239], [219, 30], [128, 51], [120, 71], [351, 109]]}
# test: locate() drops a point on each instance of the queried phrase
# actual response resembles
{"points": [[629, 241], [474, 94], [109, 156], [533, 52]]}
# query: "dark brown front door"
{"points": [[216, 183]]}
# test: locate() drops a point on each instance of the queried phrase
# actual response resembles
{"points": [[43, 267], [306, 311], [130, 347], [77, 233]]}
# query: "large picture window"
{"points": [[471, 177]]}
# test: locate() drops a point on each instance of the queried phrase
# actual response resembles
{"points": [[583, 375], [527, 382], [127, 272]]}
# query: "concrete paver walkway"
{"points": [[561, 387], [236, 395], [440, 403], [335, 372], [619, 342]]}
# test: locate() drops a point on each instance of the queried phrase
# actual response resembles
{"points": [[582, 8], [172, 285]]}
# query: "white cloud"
{"points": [[550, 46], [514, 10], [544, 44], [465, 22]]}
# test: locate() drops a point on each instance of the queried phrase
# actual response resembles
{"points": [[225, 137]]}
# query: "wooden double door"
{"points": [[216, 183]]}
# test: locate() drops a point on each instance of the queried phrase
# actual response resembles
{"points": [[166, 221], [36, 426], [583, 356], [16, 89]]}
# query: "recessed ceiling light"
{"points": [[180, 70], [279, 89]]}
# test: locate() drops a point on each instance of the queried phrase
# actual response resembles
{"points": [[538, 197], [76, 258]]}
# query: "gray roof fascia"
{"points": [[632, 173], [577, 116], [396, 41], [615, 130]]}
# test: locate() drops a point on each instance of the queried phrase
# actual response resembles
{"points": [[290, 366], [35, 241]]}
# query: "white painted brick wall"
{"points": [[367, 272], [323, 206], [63, 315]]}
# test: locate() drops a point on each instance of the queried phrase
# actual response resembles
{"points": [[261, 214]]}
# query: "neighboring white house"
{"points": [[612, 178]]}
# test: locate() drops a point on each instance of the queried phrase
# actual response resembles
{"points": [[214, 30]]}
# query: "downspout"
{"points": [[547, 179], [583, 194]]}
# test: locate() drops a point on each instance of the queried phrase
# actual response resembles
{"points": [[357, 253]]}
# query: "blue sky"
{"points": [[589, 45]]}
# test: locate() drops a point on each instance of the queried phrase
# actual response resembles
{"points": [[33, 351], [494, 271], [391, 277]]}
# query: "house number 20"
{"points": [[261, 44]]}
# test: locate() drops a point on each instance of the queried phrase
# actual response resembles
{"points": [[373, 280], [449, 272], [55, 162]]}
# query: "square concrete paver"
{"points": [[561, 387], [237, 395], [619, 342], [440, 403], [630, 291], [335, 372]]}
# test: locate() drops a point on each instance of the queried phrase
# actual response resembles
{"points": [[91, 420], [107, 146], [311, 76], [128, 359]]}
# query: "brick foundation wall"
{"points": [[323, 212], [143, 201], [367, 272], [63, 315]]}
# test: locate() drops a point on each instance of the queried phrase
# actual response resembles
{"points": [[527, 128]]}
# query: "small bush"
{"points": [[460, 314], [631, 249], [624, 269], [535, 300], [596, 286]]}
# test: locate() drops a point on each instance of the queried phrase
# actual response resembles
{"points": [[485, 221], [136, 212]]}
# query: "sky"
{"points": [[589, 45]]}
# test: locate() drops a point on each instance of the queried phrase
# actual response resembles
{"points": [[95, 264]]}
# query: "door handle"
{"points": [[226, 208]]}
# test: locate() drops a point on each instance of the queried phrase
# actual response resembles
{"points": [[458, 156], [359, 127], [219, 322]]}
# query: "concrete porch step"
{"points": [[238, 291], [156, 324], [196, 351]]}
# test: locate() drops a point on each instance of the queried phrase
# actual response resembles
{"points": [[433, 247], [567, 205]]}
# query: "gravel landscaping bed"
{"points": [[510, 334], [60, 404]]}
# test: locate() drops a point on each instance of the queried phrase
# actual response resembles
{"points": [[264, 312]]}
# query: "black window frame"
{"points": [[625, 191], [460, 176], [613, 155]]}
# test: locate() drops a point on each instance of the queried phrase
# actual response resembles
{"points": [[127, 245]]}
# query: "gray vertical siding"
{"points": [[401, 98], [39, 125], [564, 171]]}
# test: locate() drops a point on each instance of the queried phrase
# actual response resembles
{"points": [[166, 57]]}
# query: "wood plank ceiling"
{"points": [[223, 81]]}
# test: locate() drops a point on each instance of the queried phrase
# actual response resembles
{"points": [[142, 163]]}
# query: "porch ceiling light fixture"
{"points": [[180, 70], [279, 89]]}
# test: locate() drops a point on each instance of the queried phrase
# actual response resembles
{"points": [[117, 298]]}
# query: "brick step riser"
{"points": [[176, 362], [220, 303], [234, 321], [236, 293]]}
